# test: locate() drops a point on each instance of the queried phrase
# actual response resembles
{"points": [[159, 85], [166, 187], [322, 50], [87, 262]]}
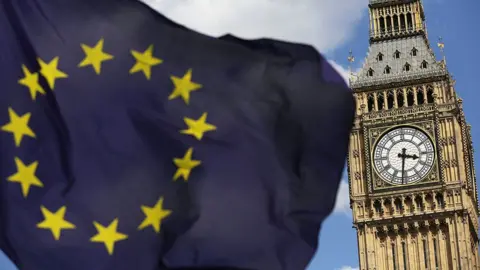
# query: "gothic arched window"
{"points": [[396, 54], [378, 207], [440, 201], [409, 22], [390, 99], [380, 101], [410, 98], [424, 64], [419, 203], [420, 96], [408, 203], [407, 67], [414, 51], [400, 101], [380, 57], [389, 24], [398, 205], [382, 25], [395, 23], [387, 70], [371, 103], [370, 72], [402, 22]]}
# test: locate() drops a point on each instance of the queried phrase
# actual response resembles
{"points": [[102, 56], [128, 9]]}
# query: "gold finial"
{"points": [[441, 46], [440, 43], [350, 59]]}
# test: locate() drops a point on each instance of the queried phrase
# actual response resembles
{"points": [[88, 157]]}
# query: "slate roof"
{"points": [[405, 47]]}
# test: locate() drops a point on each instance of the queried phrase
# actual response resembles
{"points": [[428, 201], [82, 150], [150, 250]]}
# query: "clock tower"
{"points": [[411, 174]]}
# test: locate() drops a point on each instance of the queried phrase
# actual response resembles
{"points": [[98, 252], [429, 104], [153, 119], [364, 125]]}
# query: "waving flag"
{"points": [[130, 142]]}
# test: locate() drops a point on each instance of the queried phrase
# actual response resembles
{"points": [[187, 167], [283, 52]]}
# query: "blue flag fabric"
{"points": [[131, 142]]}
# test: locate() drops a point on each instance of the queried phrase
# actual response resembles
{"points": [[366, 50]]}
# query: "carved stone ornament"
{"points": [[357, 175], [356, 153], [445, 163], [379, 182], [442, 142], [451, 140], [454, 163]]}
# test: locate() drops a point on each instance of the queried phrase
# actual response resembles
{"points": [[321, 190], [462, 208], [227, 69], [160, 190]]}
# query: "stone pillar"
{"points": [[424, 202], [415, 100], [395, 100], [424, 89], [361, 245], [375, 23], [466, 242], [399, 22], [385, 100]]}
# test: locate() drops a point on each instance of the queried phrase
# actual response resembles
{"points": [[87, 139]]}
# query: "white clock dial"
{"points": [[403, 155]]}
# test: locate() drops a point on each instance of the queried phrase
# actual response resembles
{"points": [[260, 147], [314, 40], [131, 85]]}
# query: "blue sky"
{"points": [[334, 27]]}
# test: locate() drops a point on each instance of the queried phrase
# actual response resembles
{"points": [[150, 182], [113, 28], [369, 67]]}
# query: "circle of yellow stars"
{"points": [[18, 126]]}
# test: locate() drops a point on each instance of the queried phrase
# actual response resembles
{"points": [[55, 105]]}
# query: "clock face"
{"points": [[403, 155]]}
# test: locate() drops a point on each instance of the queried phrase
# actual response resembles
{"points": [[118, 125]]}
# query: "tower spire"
{"points": [[405, 117], [400, 51]]}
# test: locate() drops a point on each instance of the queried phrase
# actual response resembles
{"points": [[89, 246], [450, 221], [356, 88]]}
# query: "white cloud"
{"points": [[347, 268], [342, 204], [341, 70], [325, 24]]}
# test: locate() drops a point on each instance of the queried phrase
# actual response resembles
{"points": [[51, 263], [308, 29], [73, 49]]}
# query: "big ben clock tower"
{"points": [[411, 174]]}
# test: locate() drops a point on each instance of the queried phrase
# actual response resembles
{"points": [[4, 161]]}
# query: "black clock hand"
{"points": [[403, 156], [411, 156]]}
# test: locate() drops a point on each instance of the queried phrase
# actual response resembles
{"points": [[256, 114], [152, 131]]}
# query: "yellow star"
{"points": [[94, 56], [25, 176], [31, 81], [145, 62], [196, 128], [108, 235], [185, 165], [154, 215], [55, 222], [51, 72], [183, 86], [18, 126]]}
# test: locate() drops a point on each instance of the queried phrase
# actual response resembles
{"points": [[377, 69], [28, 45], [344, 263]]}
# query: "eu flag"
{"points": [[131, 142]]}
